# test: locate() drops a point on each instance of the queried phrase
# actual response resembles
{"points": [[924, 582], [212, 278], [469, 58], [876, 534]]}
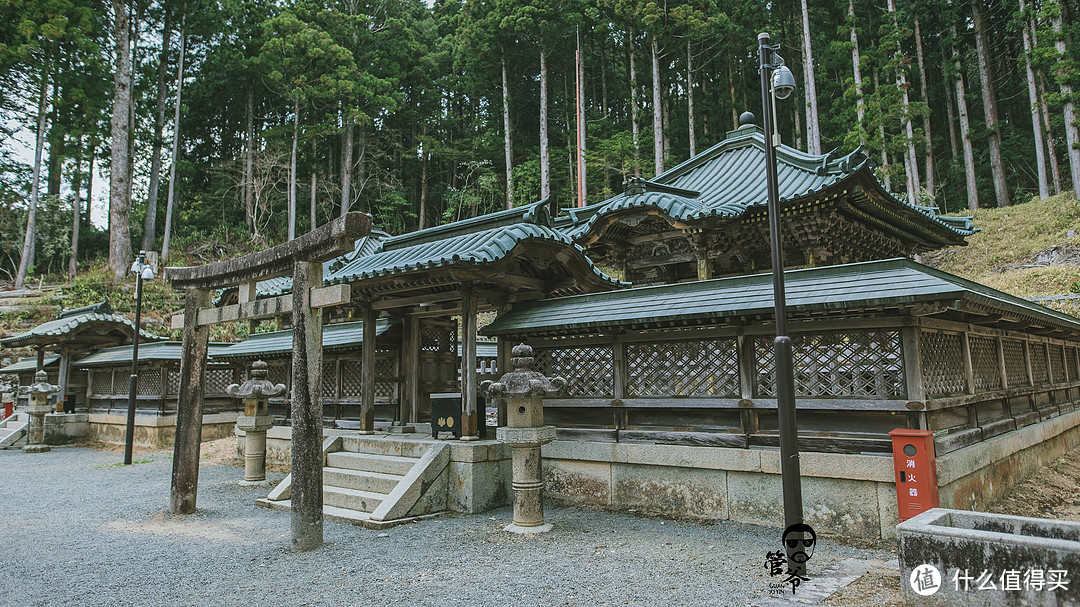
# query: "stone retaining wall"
{"points": [[847, 494]]}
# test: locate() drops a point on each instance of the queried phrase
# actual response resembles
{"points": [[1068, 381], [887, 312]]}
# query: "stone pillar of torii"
{"points": [[302, 258]]}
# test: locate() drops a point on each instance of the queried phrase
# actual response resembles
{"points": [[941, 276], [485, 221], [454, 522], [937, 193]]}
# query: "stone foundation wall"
{"points": [[157, 432], [66, 428], [846, 494]]}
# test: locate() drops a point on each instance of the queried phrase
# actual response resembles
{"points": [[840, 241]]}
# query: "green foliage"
{"points": [[421, 88]]}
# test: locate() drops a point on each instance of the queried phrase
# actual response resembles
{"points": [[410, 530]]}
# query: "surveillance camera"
{"points": [[783, 82]]}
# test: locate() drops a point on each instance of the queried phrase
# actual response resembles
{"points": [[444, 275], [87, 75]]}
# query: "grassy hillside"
{"points": [[1028, 250]]}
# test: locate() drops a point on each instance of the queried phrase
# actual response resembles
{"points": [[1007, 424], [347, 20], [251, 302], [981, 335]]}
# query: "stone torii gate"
{"points": [[303, 258]]}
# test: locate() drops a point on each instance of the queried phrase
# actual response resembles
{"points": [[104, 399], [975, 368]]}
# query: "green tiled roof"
{"points": [[727, 180], [873, 283], [51, 331], [161, 350], [475, 241], [280, 343], [28, 364], [464, 248]]}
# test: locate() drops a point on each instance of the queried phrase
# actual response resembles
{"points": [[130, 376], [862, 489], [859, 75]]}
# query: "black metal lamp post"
{"points": [[142, 271], [777, 82]]}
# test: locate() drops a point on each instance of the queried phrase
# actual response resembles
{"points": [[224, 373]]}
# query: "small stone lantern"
{"points": [[256, 420], [524, 390], [37, 407]]}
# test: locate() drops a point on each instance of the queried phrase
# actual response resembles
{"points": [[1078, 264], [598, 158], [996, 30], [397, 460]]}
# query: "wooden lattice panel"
{"points": [[329, 379], [683, 368], [438, 339], [103, 381], [217, 380], [386, 380], [837, 364], [588, 370], [1057, 363], [1015, 366], [765, 367], [864, 363], [1039, 372], [942, 364], [1070, 362], [350, 378], [149, 381], [174, 382], [984, 363]]}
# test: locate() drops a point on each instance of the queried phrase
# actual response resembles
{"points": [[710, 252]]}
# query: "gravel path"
{"points": [[78, 529]]}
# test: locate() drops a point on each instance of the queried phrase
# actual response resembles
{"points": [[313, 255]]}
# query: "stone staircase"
{"points": [[13, 431], [376, 481]]}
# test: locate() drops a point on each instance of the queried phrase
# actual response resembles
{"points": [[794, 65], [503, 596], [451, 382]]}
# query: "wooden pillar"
{"points": [[189, 405], [911, 361], [618, 378], [468, 363], [701, 250], [746, 360], [367, 371], [504, 346], [410, 370], [64, 376], [40, 358], [307, 409]]}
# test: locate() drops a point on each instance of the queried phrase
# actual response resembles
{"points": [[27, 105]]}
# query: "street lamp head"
{"points": [[783, 82], [147, 273], [135, 266]]}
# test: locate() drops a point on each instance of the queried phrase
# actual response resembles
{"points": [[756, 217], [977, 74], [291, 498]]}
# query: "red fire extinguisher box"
{"points": [[916, 471]]}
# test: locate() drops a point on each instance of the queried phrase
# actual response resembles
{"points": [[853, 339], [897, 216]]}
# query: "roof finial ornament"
{"points": [[634, 186], [746, 119]]}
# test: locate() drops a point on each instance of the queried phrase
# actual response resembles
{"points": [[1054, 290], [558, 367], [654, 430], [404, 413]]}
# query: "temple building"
{"points": [[656, 307]]}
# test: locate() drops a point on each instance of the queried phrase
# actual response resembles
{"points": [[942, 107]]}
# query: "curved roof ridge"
{"points": [[533, 213], [476, 247]]}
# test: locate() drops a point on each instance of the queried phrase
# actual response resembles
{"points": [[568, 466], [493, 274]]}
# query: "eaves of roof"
{"points": [[887, 283]]}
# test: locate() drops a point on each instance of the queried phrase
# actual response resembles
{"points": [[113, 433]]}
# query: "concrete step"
{"points": [[330, 512], [370, 462], [411, 446], [12, 432], [352, 499], [360, 480]]}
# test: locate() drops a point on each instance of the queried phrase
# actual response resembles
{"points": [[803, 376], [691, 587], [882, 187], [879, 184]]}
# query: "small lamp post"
{"points": [[37, 406], [142, 271], [778, 83], [524, 390], [256, 420]]}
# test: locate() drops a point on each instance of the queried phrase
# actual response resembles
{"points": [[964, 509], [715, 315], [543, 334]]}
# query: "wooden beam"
{"points": [[271, 307], [402, 302], [321, 244]]}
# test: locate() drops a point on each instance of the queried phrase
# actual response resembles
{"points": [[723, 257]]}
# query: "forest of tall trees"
{"points": [[264, 118]]}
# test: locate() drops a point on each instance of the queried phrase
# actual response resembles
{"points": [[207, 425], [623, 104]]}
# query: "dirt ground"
{"points": [[1052, 492]]}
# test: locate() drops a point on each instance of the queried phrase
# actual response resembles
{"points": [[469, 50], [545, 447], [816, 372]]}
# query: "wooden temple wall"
{"points": [[158, 388], [981, 382], [854, 383]]}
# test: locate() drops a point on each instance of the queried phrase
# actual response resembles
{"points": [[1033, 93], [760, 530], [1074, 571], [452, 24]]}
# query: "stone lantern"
{"points": [[256, 420], [524, 390], [37, 407]]}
